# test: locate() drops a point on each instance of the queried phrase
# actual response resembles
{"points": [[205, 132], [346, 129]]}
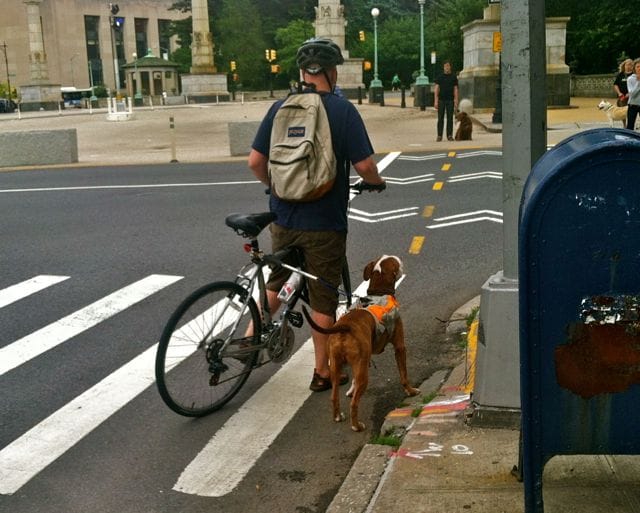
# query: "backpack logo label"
{"points": [[296, 131]]}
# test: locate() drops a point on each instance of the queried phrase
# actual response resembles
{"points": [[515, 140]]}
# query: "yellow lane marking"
{"points": [[416, 245], [451, 154], [428, 211], [437, 186], [445, 167]]}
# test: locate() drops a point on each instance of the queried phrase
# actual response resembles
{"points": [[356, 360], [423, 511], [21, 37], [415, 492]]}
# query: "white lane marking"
{"points": [[387, 160], [139, 186], [41, 445], [50, 336], [26, 288], [235, 448]]}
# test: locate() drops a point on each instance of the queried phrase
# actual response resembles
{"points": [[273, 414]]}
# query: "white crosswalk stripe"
{"points": [[28, 287], [50, 336]]}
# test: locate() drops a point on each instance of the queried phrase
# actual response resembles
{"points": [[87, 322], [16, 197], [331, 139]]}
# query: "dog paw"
{"points": [[358, 427], [412, 391], [339, 418]]}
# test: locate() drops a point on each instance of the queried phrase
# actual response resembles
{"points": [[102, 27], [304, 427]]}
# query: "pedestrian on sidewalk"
{"points": [[633, 84], [620, 82], [395, 83], [445, 99]]}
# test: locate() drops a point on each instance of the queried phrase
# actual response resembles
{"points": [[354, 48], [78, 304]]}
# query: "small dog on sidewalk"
{"points": [[614, 113], [465, 127], [365, 330]]}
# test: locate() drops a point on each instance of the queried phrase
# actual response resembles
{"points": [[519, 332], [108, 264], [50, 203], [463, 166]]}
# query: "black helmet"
{"points": [[317, 54]]}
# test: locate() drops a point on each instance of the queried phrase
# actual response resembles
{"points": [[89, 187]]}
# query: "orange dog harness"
{"points": [[385, 310]]}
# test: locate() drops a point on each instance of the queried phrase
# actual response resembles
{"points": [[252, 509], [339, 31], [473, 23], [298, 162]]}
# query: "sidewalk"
{"points": [[202, 134], [445, 466]]}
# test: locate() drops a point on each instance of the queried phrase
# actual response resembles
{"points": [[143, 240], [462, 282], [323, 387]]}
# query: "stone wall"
{"points": [[593, 86], [38, 147]]}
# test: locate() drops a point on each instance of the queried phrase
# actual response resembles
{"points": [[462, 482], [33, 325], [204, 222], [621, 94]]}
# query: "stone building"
{"points": [[53, 43]]}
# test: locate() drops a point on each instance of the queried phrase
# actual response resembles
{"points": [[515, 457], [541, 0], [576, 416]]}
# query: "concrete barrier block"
{"points": [[241, 135], [38, 147]]}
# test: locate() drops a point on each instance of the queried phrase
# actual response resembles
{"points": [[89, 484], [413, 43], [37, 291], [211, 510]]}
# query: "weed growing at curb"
{"points": [[387, 439]]}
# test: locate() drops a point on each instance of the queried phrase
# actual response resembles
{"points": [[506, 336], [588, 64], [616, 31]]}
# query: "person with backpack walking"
{"points": [[315, 220]]}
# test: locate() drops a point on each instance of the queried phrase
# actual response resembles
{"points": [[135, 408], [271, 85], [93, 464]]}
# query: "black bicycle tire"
{"points": [[165, 340]]}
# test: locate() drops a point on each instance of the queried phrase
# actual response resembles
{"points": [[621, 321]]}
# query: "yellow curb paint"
{"points": [[438, 186], [445, 167], [472, 349], [451, 154], [428, 211], [416, 245]]}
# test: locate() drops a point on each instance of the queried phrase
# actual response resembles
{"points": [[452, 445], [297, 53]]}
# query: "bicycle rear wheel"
{"points": [[194, 377]]}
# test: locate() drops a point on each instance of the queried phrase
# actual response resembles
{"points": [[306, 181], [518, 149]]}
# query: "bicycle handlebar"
{"points": [[361, 186]]}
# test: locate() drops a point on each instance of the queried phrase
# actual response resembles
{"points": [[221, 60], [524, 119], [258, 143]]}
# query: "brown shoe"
{"points": [[449, 138], [439, 138], [320, 384]]}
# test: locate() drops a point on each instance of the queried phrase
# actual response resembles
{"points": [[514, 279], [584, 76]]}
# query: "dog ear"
{"points": [[368, 270]]}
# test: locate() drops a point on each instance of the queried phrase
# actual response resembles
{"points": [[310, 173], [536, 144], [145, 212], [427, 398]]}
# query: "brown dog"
{"points": [[357, 335], [465, 127]]}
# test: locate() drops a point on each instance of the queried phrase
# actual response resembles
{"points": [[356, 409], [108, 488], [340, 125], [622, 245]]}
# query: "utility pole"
{"points": [[6, 63], [114, 9]]}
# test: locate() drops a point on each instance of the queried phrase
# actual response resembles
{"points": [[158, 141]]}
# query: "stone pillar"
{"points": [[479, 77], [330, 23], [39, 93], [203, 84], [202, 43]]}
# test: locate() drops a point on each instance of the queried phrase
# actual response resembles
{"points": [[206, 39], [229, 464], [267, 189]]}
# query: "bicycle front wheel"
{"points": [[194, 375]]}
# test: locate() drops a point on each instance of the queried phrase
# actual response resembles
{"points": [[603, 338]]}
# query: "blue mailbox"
{"points": [[579, 281]]}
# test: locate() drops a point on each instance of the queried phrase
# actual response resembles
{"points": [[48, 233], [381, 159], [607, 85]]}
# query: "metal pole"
{"points": [[422, 79], [172, 130], [6, 63], [116, 71]]}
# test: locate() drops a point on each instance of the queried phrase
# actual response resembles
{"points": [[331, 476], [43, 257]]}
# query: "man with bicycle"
{"points": [[318, 227]]}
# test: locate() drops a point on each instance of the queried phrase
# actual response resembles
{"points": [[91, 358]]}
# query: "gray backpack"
{"points": [[302, 164]]}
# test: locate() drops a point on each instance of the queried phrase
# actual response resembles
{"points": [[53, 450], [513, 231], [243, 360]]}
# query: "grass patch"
{"points": [[472, 315], [428, 398], [416, 412], [387, 439]]}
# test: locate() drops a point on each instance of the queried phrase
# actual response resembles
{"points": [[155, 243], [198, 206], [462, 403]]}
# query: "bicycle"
{"points": [[224, 330]]}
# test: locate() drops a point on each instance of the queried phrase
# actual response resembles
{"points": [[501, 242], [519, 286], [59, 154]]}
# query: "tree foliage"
{"points": [[599, 34]]}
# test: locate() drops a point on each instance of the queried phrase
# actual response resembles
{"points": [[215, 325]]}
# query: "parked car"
{"points": [[7, 105]]}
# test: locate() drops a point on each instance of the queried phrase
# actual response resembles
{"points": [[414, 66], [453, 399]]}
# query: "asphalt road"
{"points": [[83, 428]]}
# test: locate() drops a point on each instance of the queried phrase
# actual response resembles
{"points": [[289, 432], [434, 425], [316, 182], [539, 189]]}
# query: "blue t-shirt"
{"points": [[351, 144]]}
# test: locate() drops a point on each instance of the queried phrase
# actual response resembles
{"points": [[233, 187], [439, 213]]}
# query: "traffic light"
{"points": [[114, 9], [232, 65], [367, 65], [275, 68], [270, 54], [117, 22], [361, 35]]}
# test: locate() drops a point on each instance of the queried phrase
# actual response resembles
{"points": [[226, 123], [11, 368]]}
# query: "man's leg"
{"points": [[449, 105], [441, 106], [320, 343]]}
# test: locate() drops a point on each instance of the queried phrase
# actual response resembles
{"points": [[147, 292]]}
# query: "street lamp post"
{"points": [[375, 87], [422, 81], [137, 95]]}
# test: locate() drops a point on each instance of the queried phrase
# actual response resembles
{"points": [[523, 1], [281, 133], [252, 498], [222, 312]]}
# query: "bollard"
{"points": [[172, 131], [150, 102], [382, 99], [242, 96], [359, 95], [403, 103], [59, 108]]}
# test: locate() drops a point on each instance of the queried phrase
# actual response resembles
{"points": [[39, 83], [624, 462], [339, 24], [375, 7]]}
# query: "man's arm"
{"points": [[258, 163], [368, 171]]}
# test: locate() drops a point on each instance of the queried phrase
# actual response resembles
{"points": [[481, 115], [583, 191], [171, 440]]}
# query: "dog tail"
{"points": [[343, 328]]}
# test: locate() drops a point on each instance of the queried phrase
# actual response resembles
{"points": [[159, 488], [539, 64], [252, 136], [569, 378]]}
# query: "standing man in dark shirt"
{"points": [[446, 99]]}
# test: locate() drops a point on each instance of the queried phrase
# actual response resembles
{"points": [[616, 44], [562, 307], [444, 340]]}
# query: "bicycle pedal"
{"points": [[295, 318]]}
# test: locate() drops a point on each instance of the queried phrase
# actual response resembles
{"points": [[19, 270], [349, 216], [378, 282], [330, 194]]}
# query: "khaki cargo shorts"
{"points": [[324, 254]]}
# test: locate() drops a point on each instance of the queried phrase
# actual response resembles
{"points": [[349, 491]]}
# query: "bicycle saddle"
{"points": [[249, 225]]}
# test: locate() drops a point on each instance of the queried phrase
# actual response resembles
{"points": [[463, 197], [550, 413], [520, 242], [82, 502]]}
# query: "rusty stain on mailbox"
{"points": [[602, 355], [579, 295]]}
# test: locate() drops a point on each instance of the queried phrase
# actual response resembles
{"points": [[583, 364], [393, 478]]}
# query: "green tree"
{"points": [[287, 41]]}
